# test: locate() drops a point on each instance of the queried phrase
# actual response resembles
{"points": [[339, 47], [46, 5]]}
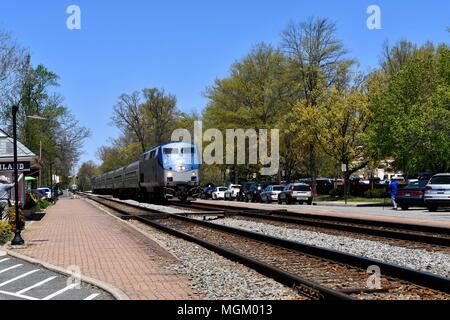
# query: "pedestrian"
{"points": [[393, 187], [5, 187]]}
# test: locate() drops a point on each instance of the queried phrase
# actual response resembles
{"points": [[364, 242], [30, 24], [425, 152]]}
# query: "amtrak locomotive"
{"points": [[169, 171]]}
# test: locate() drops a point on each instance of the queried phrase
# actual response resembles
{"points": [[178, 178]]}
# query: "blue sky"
{"points": [[183, 45]]}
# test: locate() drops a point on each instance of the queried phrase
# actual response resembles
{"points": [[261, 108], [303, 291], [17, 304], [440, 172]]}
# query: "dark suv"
{"points": [[251, 192], [246, 187]]}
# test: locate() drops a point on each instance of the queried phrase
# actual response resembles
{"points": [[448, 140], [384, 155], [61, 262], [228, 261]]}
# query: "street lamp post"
{"points": [[17, 241]]}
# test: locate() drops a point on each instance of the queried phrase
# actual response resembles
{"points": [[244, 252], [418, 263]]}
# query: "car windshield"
{"points": [[301, 188], [440, 180], [235, 187], [278, 188], [223, 189]]}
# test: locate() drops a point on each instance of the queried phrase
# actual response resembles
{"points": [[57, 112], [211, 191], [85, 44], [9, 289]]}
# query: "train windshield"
{"points": [[190, 150], [180, 156], [171, 151]]}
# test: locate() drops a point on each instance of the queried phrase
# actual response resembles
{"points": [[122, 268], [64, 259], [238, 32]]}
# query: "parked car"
{"points": [[254, 194], [40, 193], [412, 195], [232, 192], [241, 196], [219, 193], [296, 192], [324, 186], [47, 192], [207, 193], [421, 176], [270, 194], [437, 192]]}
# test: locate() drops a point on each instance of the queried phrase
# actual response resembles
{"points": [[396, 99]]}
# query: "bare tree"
{"points": [[317, 60], [395, 57], [11, 59], [69, 140], [129, 116], [160, 110]]}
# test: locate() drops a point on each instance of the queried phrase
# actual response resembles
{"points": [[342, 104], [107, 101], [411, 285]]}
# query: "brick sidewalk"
{"points": [[74, 233]]}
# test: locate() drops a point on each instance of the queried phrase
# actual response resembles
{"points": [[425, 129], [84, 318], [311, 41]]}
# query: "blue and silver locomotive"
{"points": [[169, 171]]}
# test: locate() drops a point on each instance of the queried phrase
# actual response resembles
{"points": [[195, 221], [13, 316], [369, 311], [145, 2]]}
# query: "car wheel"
{"points": [[432, 208], [404, 208], [268, 201], [310, 202]]}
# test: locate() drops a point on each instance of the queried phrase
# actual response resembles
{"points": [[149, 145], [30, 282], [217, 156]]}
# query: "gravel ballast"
{"points": [[215, 277], [418, 259]]}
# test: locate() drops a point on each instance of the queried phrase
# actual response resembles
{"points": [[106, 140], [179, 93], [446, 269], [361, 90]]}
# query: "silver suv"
{"points": [[437, 192]]}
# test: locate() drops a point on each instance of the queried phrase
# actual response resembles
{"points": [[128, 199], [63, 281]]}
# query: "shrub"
{"points": [[31, 200], [375, 193], [12, 217], [42, 205], [6, 232], [338, 192]]}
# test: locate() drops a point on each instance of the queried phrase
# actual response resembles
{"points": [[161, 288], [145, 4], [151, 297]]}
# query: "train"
{"points": [[168, 171]]}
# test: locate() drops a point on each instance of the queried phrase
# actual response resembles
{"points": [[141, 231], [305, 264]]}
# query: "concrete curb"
{"points": [[351, 205], [115, 292]]}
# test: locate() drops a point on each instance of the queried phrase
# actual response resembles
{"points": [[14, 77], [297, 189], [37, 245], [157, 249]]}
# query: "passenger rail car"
{"points": [[169, 171]]}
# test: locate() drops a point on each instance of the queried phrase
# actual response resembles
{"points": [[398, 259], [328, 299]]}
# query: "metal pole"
{"points": [[51, 181], [17, 241], [40, 160]]}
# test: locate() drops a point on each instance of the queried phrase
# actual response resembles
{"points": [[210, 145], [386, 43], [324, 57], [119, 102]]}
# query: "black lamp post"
{"points": [[17, 241]]}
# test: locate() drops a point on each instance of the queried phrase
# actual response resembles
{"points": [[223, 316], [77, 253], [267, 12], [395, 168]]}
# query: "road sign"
{"points": [[344, 168]]}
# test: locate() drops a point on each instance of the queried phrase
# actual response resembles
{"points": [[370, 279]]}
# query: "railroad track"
{"points": [[314, 272], [407, 235]]}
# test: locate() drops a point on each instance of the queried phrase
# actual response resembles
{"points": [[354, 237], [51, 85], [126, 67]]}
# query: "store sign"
{"points": [[9, 166]]}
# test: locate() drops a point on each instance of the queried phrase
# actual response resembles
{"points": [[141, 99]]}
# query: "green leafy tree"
{"points": [[255, 95], [87, 171], [412, 115]]}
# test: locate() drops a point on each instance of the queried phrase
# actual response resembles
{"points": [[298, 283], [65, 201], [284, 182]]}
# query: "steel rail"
{"points": [[302, 285], [420, 278], [409, 232]]}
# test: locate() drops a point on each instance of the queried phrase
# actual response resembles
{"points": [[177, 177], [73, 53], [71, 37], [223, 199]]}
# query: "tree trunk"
{"points": [[313, 168]]}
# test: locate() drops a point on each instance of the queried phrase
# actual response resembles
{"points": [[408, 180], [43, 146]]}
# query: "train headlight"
{"points": [[194, 174], [181, 168], [170, 175]]}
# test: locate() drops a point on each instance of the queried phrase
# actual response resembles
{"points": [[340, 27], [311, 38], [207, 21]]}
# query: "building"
{"points": [[28, 163]]}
